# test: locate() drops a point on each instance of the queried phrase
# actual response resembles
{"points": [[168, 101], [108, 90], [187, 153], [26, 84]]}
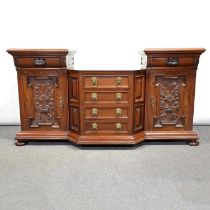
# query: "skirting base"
{"points": [[23, 136]]}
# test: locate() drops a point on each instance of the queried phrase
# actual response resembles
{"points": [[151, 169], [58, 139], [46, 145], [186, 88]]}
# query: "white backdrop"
{"points": [[107, 35]]}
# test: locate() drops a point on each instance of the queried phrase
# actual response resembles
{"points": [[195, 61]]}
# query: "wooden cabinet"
{"points": [[43, 94], [170, 91], [107, 107]]}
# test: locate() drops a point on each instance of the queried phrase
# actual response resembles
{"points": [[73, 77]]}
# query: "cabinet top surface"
{"points": [[16, 51], [174, 50]]}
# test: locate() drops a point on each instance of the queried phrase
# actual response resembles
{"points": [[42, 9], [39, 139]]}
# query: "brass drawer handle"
{"points": [[94, 127], [118, 81], [118, 127], [118, 112], [118, 97], [94, 112], [39, 61], [94, 81], [172, 61], [94, 97]]}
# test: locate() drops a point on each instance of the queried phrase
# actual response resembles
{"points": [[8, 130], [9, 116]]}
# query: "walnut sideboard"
{"points": [[106, 107]]}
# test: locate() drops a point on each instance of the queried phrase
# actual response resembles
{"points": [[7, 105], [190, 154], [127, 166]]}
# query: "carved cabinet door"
{"points": [[43, 99], [169, 95]]}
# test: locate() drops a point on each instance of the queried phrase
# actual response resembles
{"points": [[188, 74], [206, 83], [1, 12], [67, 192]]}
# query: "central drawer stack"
{"points": [[106, 98]]}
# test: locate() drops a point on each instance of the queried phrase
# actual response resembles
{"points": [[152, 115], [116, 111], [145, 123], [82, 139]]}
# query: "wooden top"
{"points": [[174, 50], [14, 51]]}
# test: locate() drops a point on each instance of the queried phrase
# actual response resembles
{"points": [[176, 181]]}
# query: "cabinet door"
{"points": [[43, 99], [168, 99]]}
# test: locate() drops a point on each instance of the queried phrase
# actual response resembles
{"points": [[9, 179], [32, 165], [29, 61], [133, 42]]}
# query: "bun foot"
{"points": [[20, 143], [193, 143]]}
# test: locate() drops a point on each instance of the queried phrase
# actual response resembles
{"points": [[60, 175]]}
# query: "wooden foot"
{"points": [[20, 143], [194, 142]]}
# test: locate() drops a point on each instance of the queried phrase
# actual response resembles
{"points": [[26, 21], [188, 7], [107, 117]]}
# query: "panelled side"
{"points": [[74, 113], [139, 91]]}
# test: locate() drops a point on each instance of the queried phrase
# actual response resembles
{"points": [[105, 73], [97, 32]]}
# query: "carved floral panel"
{"points": [[43, 94], [170, 101]]}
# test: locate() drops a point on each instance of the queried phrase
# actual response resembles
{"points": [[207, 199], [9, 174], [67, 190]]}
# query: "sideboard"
{"points": [[106, 107]]}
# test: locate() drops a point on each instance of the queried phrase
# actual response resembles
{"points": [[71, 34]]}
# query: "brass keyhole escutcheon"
{"points": [[94, 112], [94, 81], [118, 81], [94, 96], [94, 127], [118, 127], [61, 101], [118, 112], [152, 102], [118, 97]]}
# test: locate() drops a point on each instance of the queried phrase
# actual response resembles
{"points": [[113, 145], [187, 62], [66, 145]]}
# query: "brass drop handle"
{"points": [[118, 127], [94, 81], [39, 61], [173, 61], [118, 81], [94, 127], [94, 112], [94, 96], [61, 101], [118, 112], [118, 97]]}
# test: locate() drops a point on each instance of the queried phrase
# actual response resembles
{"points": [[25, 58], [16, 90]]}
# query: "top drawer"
{"points": [[40, 61], [171, 61], [39, 58], [106, 81]]}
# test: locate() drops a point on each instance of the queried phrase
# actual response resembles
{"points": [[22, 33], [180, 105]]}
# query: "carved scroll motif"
{"points": [[43, 90], [169, 109]]}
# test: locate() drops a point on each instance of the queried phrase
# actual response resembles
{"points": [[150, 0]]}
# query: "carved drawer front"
{"points": [[40, 61], [106, 81], [97, 127], [171, 61], [106, 113], [106, 97]]}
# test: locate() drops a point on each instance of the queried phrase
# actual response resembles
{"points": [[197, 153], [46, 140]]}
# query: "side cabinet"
{"points": [[43, 94], [170, 90]]}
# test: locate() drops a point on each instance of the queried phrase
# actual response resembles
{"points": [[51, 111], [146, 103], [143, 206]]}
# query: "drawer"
{"points": [[96, 127], [106, 113], [40, 61], [105, 97], [171, 61], [106, 81]]}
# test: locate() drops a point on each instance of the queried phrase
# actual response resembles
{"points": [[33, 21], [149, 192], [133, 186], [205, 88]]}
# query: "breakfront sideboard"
{"points": [[106, 107]]}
